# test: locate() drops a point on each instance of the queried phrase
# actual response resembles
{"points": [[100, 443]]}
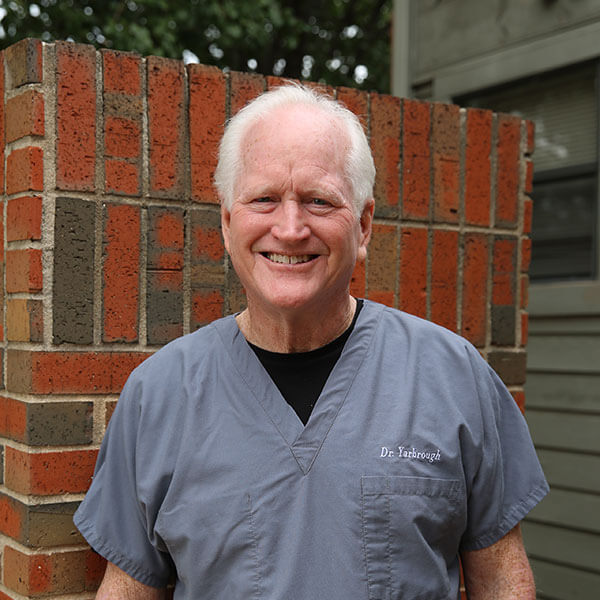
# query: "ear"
{"points": [[366, 225], [225, 221]]}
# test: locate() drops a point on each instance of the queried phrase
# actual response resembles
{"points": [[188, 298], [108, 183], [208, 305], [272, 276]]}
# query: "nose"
{"points": [[290, 223]]}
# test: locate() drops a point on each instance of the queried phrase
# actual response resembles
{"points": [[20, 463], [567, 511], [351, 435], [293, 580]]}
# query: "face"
{"points": [[292, 232]]}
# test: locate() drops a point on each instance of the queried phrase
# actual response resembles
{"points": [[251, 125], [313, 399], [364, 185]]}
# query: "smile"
{"points": [[286, 259]]}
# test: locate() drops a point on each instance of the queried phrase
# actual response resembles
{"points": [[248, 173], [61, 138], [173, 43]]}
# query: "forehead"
{"points": [[295, 135]]}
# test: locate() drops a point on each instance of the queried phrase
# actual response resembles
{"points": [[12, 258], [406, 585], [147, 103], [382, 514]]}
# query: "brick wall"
{"points": [[111, 247]]}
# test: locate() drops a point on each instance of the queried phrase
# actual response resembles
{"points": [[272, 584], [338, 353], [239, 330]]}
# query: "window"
{"points": [[564, 108]]}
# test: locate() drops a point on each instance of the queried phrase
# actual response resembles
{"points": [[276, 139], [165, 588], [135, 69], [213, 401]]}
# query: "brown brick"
{"points": [[49, 473], [46, 423], [25, 115], [507, 177], [25, 170], [24, 219], [474, 293], [122, 137], [95, 565], [243, 88], [24, 320], [527, 215], [478, 167], [524, 291], [519, 397], [122, 72], [24, 271], [37, 575], [446, 161], [166, 125], [413, 271], [165, 238], [444, 275], [73, 289], [525, 255], [121, 273], [70, 372], [164, 306], [24, 62], [386, 123], [382, 264], [358, 283], [207, 120], [504, 291], [207, 305], [75, 117], [416, 158], [510, 366], [235, 293], [39, 524], [524, 328]]}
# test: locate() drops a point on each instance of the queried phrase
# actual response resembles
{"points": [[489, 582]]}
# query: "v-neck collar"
{"points": [[304, 441]]}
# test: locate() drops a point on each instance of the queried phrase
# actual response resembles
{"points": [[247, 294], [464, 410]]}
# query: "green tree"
{"points": [[340, 42]]}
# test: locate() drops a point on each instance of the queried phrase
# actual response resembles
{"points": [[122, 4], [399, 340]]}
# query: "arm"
{"points": [[501, 572], [117, 585]]}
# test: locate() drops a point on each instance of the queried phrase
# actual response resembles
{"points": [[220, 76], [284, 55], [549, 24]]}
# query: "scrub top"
{"points": [[414, 452]]}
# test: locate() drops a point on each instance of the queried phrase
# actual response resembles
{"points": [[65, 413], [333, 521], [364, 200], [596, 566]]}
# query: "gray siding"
{"points": [[562, 534]]}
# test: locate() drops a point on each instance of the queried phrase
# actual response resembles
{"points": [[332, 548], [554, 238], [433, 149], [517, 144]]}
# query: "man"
{"points": [[312, 446]]}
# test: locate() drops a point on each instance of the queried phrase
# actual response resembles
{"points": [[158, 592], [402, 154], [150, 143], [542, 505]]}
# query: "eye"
{"points": [[320, 202], [263, 199]]}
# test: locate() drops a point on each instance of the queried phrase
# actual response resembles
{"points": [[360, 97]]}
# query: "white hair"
{"points": [[359, 166]]}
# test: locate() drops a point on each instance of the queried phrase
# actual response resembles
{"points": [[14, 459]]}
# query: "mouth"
{"points": [[287, 259]]}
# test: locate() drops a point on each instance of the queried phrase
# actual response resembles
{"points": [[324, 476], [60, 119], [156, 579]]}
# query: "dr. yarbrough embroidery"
{"points": [[411, 453]]}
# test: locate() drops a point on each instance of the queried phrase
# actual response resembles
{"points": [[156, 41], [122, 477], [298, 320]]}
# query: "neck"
{"points": [[294, 332]]}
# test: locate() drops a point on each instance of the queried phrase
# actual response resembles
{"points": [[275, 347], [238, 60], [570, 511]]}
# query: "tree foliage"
{"points": [[340, 42]]}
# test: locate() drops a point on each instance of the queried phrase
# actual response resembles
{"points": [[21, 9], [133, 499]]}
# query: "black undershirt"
{"points": [[300, 376]]}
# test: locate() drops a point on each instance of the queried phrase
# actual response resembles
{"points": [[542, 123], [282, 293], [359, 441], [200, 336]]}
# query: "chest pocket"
{"points": [[411, 528]]}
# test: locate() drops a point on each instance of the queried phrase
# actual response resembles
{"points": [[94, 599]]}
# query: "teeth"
{"points": [[288, 260]]}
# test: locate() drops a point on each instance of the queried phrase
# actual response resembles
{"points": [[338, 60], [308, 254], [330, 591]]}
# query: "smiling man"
{"points": [[314, 446]]}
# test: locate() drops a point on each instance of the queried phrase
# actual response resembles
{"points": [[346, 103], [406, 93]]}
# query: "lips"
{"points": [[287, 259]]}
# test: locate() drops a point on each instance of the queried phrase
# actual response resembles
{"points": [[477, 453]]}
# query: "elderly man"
{"points": [[313, 446]]}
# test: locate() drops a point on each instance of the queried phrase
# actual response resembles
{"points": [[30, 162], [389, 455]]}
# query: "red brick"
{"points": [[122, 137], [524, 291], [122, 177], [446, 161], [23, 271], [478, 167], [24, 115], [13, 418], [383, 264], [358, 283], [207, 244], [70, 372], [49, 473], [165, 244], [110, 409], [386, 122], [95, 565], [167, 125], [24, 219], [25, 170], [530, 137], [524, 328], [11, 517], [243, 88], [444, 275], [519, 398], [474, 292], [24, 62], [121, 273], [508, 168], [416, 168], [207, 305], [357, 101], [272, 81], [527, 216], [2, 123], [38, 575], [529, 177], [504, 263], [76, 117], [413, 271], [207, 120], [122, 73], [525, 255]]}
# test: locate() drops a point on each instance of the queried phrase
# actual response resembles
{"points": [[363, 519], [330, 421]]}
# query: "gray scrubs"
{"points": [[414, 452]]}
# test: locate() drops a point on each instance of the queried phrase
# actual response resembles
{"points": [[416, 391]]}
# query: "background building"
{"points": [[539, 59]]}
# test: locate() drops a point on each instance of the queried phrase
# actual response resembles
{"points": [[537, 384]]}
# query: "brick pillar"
{"points": [[111, 247]]}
